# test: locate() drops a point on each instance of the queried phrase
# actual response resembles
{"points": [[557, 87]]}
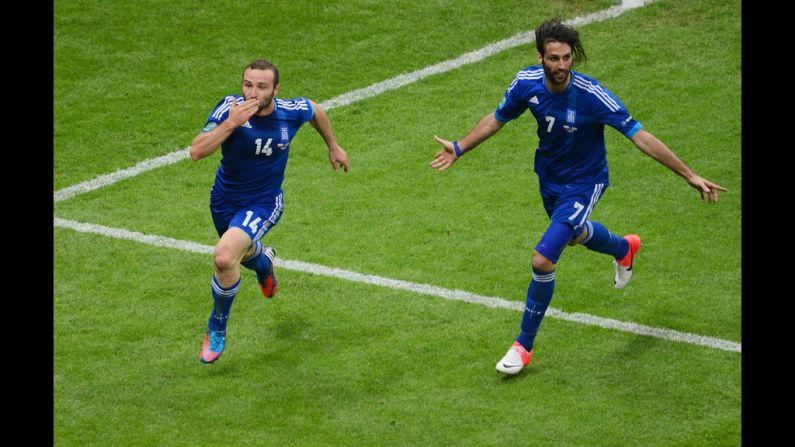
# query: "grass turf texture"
{"points": [[348, 363], [329, 362]]}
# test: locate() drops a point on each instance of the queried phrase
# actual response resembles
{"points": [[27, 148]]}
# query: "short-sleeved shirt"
{"points": [[571, 148], [254, 156]]}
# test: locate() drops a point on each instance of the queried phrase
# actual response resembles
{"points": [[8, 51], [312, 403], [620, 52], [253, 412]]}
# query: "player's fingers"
{"points": [[441, 141], [442, 162]]}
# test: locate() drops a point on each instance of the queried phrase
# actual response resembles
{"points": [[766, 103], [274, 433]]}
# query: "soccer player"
{"points": [[571, 110], [254, 132]]}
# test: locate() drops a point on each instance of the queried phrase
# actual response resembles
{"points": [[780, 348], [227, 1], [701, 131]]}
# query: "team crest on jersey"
{"points": [[571, 116], [285, 139]]}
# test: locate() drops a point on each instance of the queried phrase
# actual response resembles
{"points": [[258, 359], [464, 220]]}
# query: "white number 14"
{"points": [[252, 225], [265, 150]]}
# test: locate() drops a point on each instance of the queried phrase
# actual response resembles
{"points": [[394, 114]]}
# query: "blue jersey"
{"points": [[571, 147], [254, 156]]}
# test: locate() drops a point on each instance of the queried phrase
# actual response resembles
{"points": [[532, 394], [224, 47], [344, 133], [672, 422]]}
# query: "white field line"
{"points": [[425, 289], [113, 177], [349, 98]]}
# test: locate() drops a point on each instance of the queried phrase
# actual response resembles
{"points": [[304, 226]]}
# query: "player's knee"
{"points": [[225, 259], [541, 263]]}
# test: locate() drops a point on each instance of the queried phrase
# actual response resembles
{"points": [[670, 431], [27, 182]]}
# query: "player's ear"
{"points": [[539, 57], [276, 90]]}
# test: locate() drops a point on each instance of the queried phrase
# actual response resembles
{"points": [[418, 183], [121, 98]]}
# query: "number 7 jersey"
{"points": [[254, 156], [571, 142]]}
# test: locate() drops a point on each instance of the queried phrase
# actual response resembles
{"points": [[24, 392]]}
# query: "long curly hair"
{"points": [[556, 31]]}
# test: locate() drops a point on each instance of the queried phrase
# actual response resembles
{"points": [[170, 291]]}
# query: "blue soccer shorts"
{"points": [[256, 220], [567, 206], [571, 204]]}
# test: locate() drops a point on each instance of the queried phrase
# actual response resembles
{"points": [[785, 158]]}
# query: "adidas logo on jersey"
{"points": [[247, 124], [534, 100]]}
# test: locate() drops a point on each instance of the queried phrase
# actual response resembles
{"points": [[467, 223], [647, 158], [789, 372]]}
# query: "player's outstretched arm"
{"points": [[321, 123], [485, 128], [656, 149], [207, 142]]}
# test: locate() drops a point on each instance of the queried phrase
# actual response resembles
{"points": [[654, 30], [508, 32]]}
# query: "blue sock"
{"points": [[223, 303], [258, 261], [539, 294], [603, 241]]}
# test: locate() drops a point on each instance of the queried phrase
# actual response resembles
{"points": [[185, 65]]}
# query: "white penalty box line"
{"points": [[424, 289], [355, 96]]}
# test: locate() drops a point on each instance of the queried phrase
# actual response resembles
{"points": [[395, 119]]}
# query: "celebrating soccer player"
{"points": [[571, 110], [254, 132]]}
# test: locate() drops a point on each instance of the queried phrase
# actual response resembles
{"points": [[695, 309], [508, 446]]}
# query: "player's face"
{"points": [[259, 85], [557, 63]]}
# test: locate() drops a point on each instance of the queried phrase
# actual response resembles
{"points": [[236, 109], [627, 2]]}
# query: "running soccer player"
{"points": [[571, 110], [254, 132]]}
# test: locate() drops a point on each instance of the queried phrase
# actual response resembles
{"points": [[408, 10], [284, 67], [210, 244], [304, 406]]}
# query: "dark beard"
{"points": [[551, 77], [264, 105]]}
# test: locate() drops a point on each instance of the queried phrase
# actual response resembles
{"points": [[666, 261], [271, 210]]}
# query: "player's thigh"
{"points": [[231, 248]]}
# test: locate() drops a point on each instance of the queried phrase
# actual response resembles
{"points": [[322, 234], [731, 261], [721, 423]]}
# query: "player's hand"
{"points": [[240, 113], [706, 188], [337, 156], [445, 157]]}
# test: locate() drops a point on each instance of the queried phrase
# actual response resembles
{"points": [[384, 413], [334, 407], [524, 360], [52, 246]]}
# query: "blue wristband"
{"points": [[457, 149]]}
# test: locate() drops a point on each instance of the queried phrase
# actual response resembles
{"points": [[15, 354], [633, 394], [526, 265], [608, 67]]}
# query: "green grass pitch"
{"points": [[334, 362]]}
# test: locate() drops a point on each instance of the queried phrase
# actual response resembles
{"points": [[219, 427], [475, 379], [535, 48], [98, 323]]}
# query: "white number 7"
{"points": [[579, 210], [551, 121]]}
